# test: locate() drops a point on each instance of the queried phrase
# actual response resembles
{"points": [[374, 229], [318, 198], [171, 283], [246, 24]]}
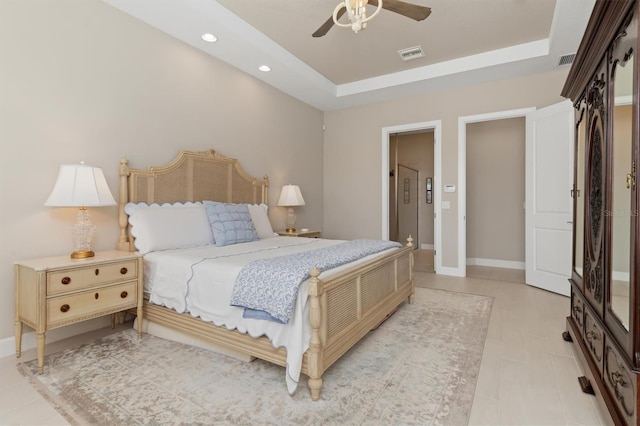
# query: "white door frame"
{"points": [[436, 126], [461, 270]]}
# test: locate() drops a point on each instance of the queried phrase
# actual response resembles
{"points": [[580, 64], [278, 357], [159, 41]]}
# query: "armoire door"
{"points": [[621, 214]]}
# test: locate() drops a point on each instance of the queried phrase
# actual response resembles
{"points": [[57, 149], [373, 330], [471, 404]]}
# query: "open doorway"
{"points": [[496, 199], [425, 136], [548, 208], [497, 165], [411, 212]]}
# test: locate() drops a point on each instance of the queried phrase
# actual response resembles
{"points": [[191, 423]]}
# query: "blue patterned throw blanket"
{"points": [[271, 285]]}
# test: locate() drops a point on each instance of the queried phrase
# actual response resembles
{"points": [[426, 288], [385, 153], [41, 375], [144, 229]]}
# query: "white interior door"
{"points": [[549, 207]]}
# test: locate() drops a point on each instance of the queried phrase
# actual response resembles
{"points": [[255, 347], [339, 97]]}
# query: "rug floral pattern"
{"points": [[419, 367]]}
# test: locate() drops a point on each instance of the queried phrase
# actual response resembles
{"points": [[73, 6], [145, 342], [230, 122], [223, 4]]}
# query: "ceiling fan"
{"points": [[356, 13]]}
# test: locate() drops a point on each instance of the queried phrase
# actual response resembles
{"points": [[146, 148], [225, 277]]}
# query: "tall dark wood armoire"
{"points": [[604, 321]]}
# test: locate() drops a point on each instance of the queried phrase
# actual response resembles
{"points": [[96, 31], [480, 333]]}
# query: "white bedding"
{"points": [[200, 281]]}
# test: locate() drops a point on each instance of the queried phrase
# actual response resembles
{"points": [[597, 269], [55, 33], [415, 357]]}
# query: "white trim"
{"points": [[620, 276], [495, 263], [620, 285], [8, 344], [426, 246], [436, 126], [454, 272], [623, 100], [462, 174]]}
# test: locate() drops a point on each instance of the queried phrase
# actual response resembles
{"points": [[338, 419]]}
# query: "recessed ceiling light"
{"points": [[209, 37], [264, 68]]}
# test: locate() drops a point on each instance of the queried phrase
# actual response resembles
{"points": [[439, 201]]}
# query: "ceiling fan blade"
{"points": [[324, 28], [409, 10]]}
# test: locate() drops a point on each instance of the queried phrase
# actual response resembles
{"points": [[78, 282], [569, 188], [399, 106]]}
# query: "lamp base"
{"points": [[290, 229], [82, 254]]}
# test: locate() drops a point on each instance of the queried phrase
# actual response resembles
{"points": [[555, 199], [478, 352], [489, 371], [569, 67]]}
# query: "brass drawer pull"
{"points": [[97, 295], [124, 294], [123, 271], [97, 271], [66, 280], [64, 308]]}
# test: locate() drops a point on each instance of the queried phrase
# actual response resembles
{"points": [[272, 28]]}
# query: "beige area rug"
{"points": [[419, 367]]}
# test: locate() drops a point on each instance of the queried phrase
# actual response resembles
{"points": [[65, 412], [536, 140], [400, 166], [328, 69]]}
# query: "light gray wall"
{"points": [[353, 149], [82, 81], [496, 190]]}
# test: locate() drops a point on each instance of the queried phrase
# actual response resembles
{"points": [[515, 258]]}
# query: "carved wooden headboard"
{"points": [[191, 176]]}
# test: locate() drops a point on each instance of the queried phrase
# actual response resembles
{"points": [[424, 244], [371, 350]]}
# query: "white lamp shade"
{"points": [[80, 186], [291, 196]]}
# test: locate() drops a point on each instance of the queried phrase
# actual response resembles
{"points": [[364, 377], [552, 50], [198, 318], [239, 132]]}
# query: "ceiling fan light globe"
{"points": [[356, 13]]}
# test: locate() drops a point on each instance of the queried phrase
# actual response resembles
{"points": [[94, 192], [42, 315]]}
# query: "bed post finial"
{"points": [[265, 190], [123, 221], [315, 359]]}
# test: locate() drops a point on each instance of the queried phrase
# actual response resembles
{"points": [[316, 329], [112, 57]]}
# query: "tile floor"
{"points": [[528, 374]]}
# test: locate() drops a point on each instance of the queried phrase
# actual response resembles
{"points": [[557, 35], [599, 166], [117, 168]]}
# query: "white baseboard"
{"points": [[620, 276], [454, 272], [426, 246], [496, 263], [8, 344]]}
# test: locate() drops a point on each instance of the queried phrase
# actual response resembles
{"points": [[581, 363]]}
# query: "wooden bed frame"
{"points": [[343, 309]]}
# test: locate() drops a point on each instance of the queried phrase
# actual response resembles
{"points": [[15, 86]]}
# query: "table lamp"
{"points": [[82, 186], [291, 197]]}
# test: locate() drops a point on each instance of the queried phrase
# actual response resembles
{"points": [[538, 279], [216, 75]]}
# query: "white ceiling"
{"points": [[465, 42]]}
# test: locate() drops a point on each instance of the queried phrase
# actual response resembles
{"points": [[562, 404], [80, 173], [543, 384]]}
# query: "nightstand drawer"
{"points": [[80, 278], [101, 301]]}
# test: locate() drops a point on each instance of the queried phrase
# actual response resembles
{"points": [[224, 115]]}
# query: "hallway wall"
{"points": [[496, 191]]}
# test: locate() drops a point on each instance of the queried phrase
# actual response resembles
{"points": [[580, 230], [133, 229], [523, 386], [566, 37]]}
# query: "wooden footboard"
{"points": [[346, 307], [343, 309]]}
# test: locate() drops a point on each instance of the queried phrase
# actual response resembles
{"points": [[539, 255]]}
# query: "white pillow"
{"points": [[168, 226], [260, 219]]}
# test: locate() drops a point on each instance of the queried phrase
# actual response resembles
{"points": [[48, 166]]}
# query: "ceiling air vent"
{"points": [[566, 59], [411, 53]]}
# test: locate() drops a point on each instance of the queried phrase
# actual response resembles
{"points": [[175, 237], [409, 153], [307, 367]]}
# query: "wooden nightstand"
{"points": [[57, 291], [299, 233]]}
